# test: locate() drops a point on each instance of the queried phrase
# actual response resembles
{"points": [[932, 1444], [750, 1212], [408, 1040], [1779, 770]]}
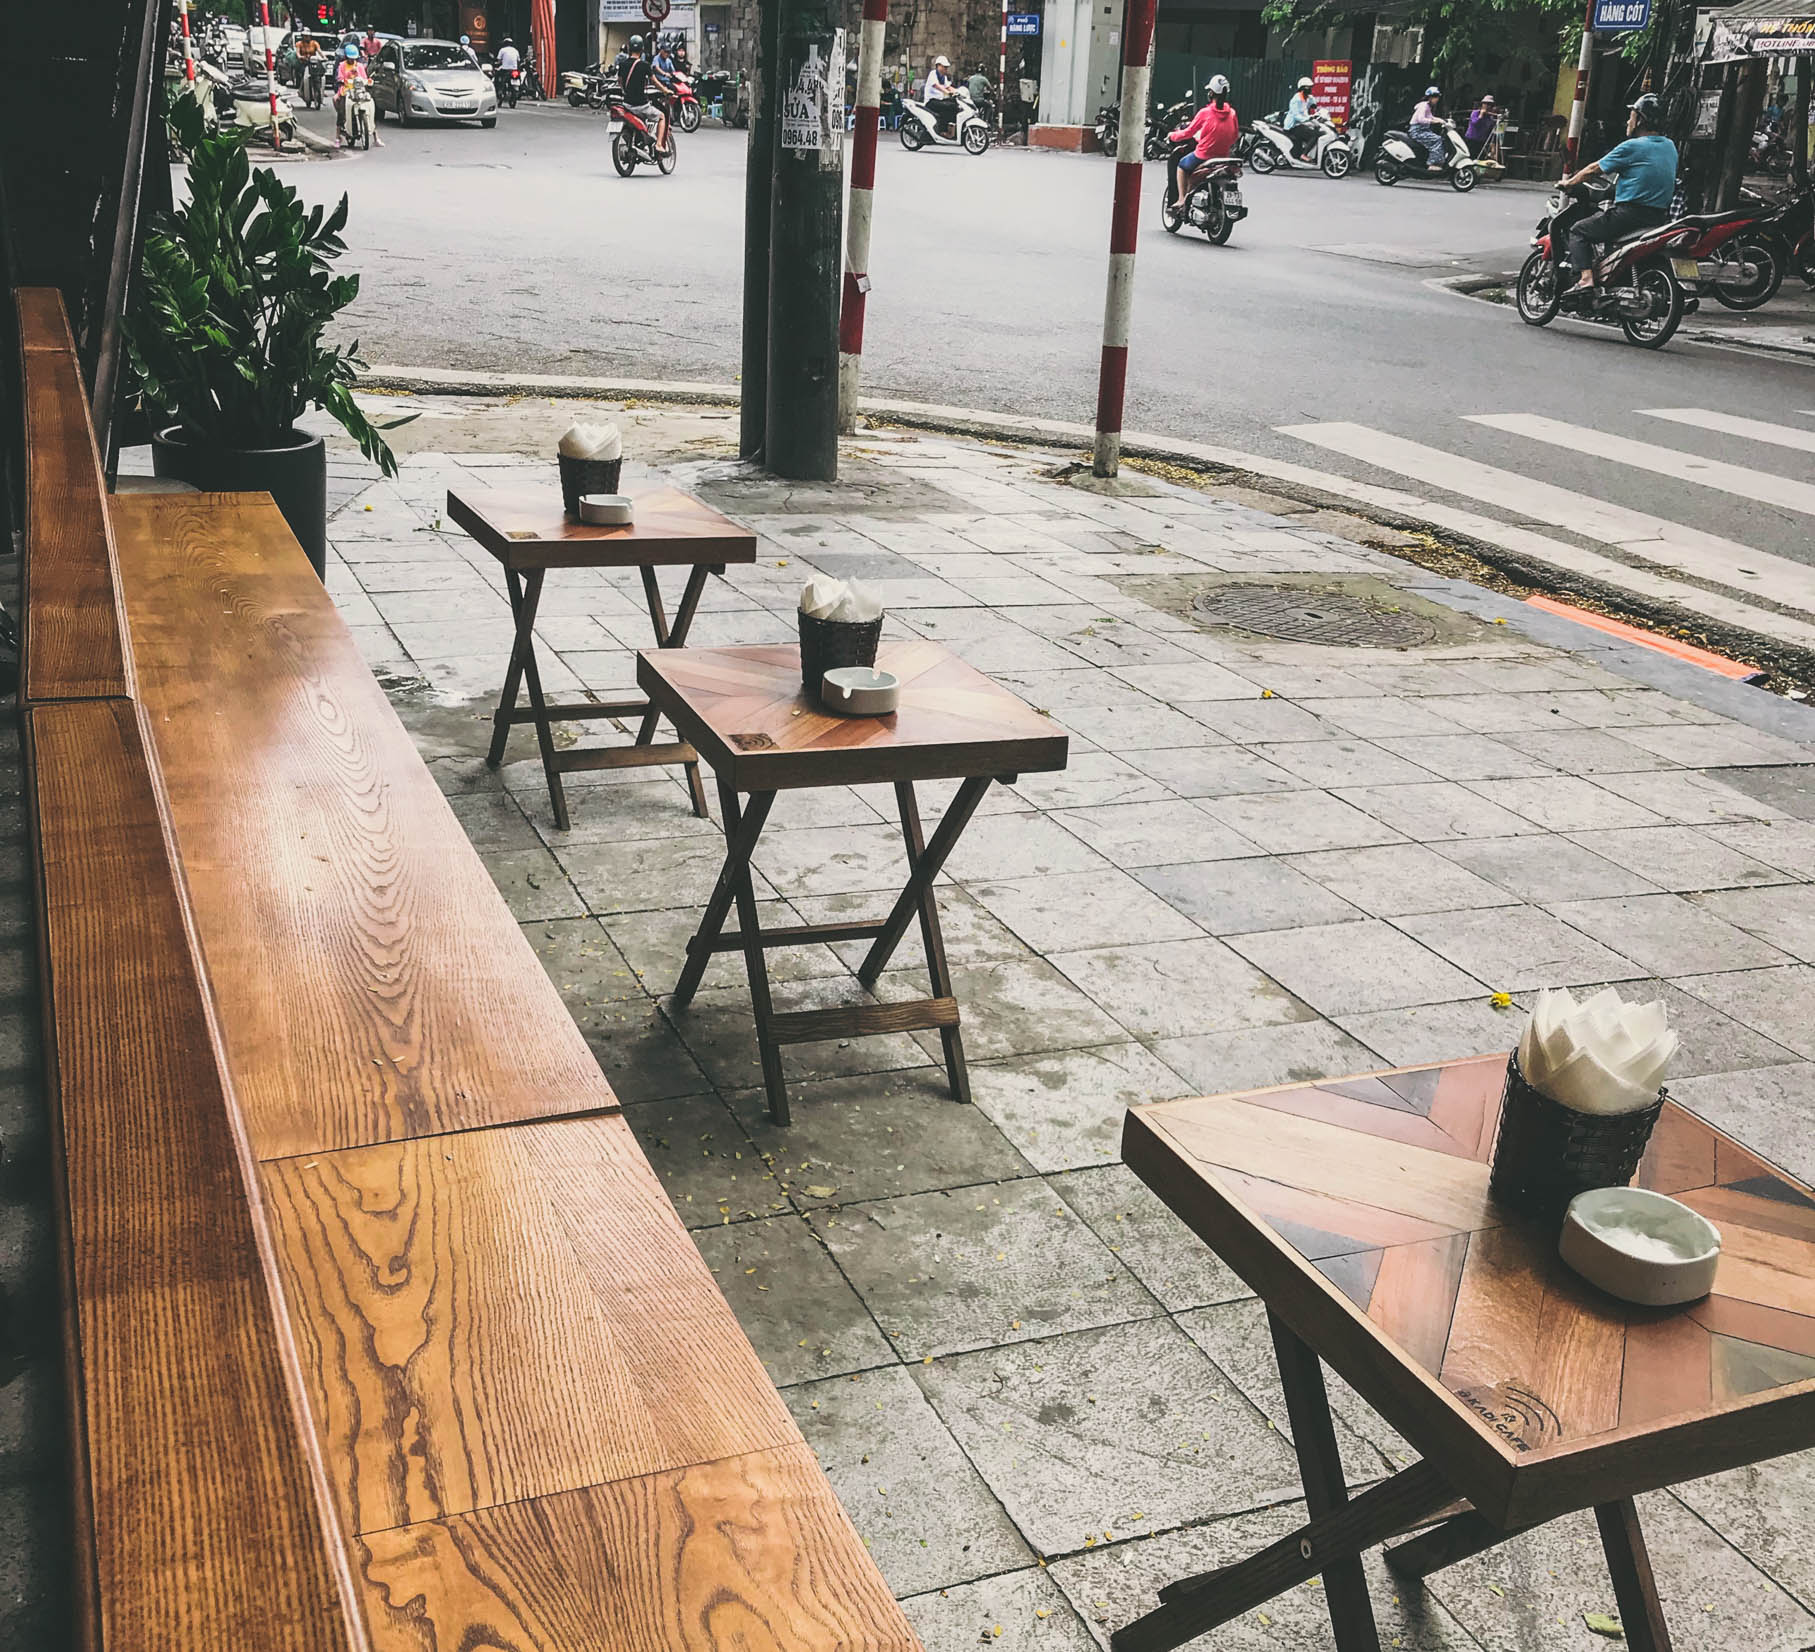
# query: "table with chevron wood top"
{"points": [[523, 525], [1358, 1211], [744, 711]]}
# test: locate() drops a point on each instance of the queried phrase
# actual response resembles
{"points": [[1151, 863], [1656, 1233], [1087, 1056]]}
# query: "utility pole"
{"points": [[1125, 218], [863, 188], [759, 174], [1578, 111], [805, 257]]}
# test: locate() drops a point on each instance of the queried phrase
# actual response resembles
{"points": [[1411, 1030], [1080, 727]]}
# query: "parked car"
{"points": [[252, 52], [235, 35], [424, 80]]}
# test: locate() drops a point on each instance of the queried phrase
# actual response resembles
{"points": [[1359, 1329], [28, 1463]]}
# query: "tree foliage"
{"points": [[1458, 34], [234, 293]]}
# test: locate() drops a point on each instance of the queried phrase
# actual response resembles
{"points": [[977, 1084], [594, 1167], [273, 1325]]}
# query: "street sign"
{"points": [[1023, 22], [656, 10], [1620, 16], [1330, 84]]}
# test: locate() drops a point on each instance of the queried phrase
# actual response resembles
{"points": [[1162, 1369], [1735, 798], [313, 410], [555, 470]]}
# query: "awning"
{"points": [[1763, 28]]}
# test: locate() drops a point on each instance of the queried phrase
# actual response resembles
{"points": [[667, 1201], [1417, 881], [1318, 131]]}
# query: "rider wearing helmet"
{"points": [[350, 69], [1643, 169], [638, 80], [941, 95], [1427, 127], [466, 45], [1301, 117], [1212, 132], [508, 58]]}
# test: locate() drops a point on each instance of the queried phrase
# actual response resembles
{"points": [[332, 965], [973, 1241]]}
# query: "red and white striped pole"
{"points": [[264, 17], [857, 221], [1002, 75], [188, 50], [1112, 377], [1578, 111]]}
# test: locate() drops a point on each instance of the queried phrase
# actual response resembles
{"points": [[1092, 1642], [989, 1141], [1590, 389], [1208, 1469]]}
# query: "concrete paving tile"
{"points": [[1779, 1003], [1113, 1585], [1395, 878], [720, 1031], [1077, 909], [1302, 682], [711, 1170], [1017, 1611], [1546, 868], [1767, 1108], [1565, 803], [638, 1050], [946, 1272], [831, 860], [1786, 787], [1065, 1110], [1688, 797], [877, 1136], [1347, 969], [922, 1511], [1089, 779], [1580, 751], [1435, 811], [1784, 916], [1385, 716], [1717, 745], [439, 573], [1668, 934], [1503, 714], [1544, 1581], [1680, 858], [972, 934], [997, 848], [1436, 1032], [1264, 722], [1518, 948], [1213, 771], [654, 945], [1164, 1254], [1767, 1512], [1122, 1429], [493, 821], [533, 884], [1180, 684], [1255, 1057], [643, 809], [1298, 822], [1009, 1007], [1469, 756], [1163, 833], [1172, 989], [648, 874], [582, 961], [1129, 728], [1077, 683], [1627, 708], [804, 1320], [1789, 845], [1342, 763], [1232, 897]]}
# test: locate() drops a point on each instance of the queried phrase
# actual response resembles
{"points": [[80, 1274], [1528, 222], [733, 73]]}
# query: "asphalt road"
{"points": [[520, 248]]}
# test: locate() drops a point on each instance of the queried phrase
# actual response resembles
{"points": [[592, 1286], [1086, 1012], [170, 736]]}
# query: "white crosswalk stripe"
{"points": [[1731, 424]]}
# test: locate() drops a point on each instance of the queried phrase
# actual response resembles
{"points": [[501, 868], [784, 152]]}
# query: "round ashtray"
{"points": [[610, 510], [859, 691], [1640, 1246]]}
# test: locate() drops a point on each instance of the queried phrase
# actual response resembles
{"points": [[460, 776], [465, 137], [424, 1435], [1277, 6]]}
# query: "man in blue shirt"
{"points": [[1301, 116], [1643, 169]]}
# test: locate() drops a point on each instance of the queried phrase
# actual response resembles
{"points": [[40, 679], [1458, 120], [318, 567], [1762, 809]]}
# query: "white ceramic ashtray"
{"points": [[607, 509], [1640, 1246], [859, 691]]}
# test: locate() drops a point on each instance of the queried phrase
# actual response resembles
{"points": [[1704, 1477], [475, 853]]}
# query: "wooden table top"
{"points": [[744, 711], [1358, 1209], [523, 524]]}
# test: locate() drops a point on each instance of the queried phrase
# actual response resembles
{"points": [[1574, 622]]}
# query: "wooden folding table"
{"points": [[744, 712], [523, 525], [1358, 1211]]}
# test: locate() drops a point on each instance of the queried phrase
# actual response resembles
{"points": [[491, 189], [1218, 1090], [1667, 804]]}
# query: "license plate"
{"points": [[1232, 196], [459, 108], [1686, 269]]}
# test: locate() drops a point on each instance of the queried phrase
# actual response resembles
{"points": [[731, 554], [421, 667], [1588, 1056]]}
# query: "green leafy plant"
{"points": [[224, 334]]}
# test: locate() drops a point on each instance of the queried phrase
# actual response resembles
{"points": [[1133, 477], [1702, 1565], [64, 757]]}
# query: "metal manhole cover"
{"points": [[1333, 618]]}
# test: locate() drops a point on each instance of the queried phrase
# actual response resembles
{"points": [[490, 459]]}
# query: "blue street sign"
{"points": [[1023, 22], [1618, 16]]}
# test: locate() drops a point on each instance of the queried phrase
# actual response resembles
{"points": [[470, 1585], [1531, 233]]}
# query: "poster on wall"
{"points": [[812, 112], [1330, 85]]}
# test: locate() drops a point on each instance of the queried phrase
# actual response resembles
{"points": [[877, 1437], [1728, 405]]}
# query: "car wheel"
{"points": [[489, 122]]}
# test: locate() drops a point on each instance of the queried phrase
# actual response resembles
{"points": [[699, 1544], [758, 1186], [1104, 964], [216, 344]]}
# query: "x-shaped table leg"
{"points": [[675, 637], [525, 594]]}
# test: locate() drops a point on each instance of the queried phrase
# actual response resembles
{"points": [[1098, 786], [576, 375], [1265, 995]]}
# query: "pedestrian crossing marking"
{"points": [[1731, 424], [1760, 485]]}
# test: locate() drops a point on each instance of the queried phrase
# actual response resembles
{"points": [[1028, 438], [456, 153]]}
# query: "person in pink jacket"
{"points": [[1213, 133]]}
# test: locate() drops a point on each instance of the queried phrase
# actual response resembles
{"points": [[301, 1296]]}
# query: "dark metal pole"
{"points": [[759, 171], [806, 253]]}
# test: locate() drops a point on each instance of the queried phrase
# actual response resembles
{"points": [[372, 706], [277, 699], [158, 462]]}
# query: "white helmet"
{"points": [[1218, 87], [1433, 91], [1305, 83], [942, 63]]}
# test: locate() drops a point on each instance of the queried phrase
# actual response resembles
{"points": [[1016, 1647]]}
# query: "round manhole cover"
{"points": [[1333, 618]]}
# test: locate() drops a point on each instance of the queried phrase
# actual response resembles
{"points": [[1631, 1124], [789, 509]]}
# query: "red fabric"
{"points": [[542, 25], [1214, 131]]}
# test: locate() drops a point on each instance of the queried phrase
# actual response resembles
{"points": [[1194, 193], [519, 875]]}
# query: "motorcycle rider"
{"points": [[1426, 129], [309, 68], [941, 96], [1643, 169], [1213, 132], [639, 81], [466, 45], [661, 66], [1301, 118], [350, 69]]}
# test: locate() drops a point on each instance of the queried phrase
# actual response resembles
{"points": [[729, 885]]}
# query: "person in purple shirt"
{"points": [[1481, 124]]}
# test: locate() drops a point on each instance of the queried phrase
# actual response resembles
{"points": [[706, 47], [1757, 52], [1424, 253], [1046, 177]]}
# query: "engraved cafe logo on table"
{"points": [[1518, 1416]]}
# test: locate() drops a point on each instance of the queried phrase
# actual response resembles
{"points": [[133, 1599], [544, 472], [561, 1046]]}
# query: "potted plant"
{"points": [[224, 335]]}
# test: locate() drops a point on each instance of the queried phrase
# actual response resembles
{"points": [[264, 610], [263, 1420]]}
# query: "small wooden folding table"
{"points": [[745, 713], [1358, 1211], [523, 525]]}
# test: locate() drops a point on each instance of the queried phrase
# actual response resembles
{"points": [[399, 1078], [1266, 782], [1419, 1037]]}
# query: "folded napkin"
{"points": [[1600, 1056], [833, 599], [592, 441]]}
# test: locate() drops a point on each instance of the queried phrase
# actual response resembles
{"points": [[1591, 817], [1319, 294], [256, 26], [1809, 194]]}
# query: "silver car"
{"points": [[425, 80]]}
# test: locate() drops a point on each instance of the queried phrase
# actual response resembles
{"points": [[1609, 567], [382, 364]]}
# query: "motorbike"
{"points": [[589, 88], [1740, 256], [508, 84], [1109, 127], [969, 129], [360, 115], [717, 91], [1272, 148], [636, 141], [1214, 203], [314, 77], [1641, 277], [1166, 120], [1399, 157], [686, 104]]}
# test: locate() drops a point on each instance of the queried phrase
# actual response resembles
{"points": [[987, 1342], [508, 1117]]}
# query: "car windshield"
{"points": [[435, 54]]}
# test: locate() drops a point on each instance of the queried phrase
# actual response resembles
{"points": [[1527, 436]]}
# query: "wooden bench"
{"points": [[526, 1416]]}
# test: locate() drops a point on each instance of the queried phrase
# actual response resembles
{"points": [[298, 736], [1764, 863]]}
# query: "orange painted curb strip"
{"points": [[1648, 639]]}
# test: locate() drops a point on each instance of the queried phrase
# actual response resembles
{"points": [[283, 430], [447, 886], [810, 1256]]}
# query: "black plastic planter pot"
{"points": [[295, 475]]}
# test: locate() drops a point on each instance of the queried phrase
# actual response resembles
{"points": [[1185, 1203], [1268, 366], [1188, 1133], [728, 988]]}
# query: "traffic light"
{"points": [[324, 13]]}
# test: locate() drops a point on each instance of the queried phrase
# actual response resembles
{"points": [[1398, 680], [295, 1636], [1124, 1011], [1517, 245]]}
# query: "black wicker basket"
{"points": [[827, 644], [580, 476], [1546, 1153]]}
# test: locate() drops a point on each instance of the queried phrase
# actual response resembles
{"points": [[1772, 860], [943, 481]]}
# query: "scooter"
{"points": [[687, 110], [919, 128], [636, 141], [1400, 158], [1640, 278], [314, 77], [508, 84], [1166, 120], [1272, 148], [1214, 203], [359, 115]]}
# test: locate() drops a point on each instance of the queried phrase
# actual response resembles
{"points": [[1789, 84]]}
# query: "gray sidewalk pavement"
{"points": [[1037, 1394]]}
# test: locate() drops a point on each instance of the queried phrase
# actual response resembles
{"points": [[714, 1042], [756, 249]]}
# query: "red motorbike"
{"points": [[686, 104], [1740, 255], [638, 140]]}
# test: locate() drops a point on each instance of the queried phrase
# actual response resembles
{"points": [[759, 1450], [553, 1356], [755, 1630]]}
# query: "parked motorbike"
{"points": [[1109, 127], [969, 129], [1740, 256], [1400, 157], [1641, 277], [1272, 148], [1214, 203], [636, 141], [590, 88], [1166, 120]]}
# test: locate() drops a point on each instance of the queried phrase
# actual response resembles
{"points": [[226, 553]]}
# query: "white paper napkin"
{"points": [[592, 441], [1600, 1056], [834, 599]]}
